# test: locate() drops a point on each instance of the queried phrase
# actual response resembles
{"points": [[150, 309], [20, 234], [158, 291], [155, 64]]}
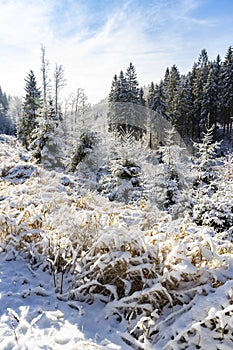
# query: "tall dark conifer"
{"points": [[32, 102], [227, 90], [171, 84], [124, 99], [132, 84], [210, 97]]}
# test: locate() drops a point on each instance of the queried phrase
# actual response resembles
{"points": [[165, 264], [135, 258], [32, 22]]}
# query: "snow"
{"points": [[80, 272], [32, 317]]}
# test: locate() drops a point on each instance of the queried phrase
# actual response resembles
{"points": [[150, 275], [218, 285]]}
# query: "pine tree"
{"points": [[151, 95], [123, 88], [203, 62], [124, 99], [142, 100], [211, 98], [171, 180], [197, 92], [206, 161], [32, 103], [132, 84], [156, 99], [183, 106], [213, 205], [171, 85], [227, 90], [114, 95]]}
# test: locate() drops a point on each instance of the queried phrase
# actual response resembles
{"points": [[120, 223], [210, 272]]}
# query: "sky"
{"points": [[94, 39]]}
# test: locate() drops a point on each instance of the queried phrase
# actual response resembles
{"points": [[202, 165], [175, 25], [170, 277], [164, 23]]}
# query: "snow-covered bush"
{"points": [[143, 276], [122, 181], [18, 173], [47, 146], [215, 209], [172, 179], [213, 203], [126, 173], [88, 140], [206, 161]]}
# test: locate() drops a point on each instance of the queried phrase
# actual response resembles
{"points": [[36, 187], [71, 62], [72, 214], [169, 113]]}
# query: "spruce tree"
{"points": [[182, 108], [206, 162], [160, 104], [227, 92], [157, 99], [32, 103], [211, 97], [212, 195], [114, 95], [132, 84], [124, 99], [171, 85], [142, 100], [171, 175], [151, 95], [123, 88], [197, 91], [203, 63]]}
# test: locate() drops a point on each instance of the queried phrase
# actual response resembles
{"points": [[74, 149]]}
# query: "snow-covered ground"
{"points": [[80, 272], [31, 314], [32, 317]]}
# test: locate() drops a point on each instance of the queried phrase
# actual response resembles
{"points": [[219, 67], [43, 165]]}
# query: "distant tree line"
{"points": [[6, 124], [204, 95], [189, 102]]}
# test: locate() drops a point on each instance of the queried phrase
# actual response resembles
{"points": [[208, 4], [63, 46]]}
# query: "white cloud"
{"points": [[153, 35], [23, 26]]}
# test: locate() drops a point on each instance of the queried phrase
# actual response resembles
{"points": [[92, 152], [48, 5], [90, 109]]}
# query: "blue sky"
{"points": [[93, 40]]}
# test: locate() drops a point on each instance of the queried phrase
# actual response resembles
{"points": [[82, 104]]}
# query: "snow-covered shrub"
{"points": [[18, 173], [126, 173], [116, 266], [206, 161], [142, 276], [47, 146], [215, 209], [122, 181], [212, 193], [172, 179], [88, 140]]}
